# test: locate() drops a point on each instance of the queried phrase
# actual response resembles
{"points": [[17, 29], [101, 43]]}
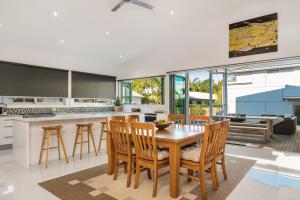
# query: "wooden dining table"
{"points": [[173, 138]]}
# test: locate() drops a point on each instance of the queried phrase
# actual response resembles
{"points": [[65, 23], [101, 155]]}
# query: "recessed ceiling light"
{"points": [[121, 56], [55, 14], [172, 12], [107, 32], [62, 41]]}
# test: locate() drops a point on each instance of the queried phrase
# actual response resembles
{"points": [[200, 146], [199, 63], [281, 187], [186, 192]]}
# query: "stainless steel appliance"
{"points": [[150, 117]]}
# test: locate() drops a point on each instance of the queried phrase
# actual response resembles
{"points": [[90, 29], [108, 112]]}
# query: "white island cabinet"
{"points": [[28, 133]]}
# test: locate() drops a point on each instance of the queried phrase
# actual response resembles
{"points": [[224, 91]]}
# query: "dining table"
{"points": [[173, 138]]}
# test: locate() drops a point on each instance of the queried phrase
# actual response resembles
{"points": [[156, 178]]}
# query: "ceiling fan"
{"points": [[136, 2]]}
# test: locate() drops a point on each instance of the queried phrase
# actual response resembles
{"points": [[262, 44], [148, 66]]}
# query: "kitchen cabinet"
{"points": [[6, 131]]}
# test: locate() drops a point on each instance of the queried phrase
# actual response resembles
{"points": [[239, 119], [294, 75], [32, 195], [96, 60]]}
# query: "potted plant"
{"points": [[118, 105]]}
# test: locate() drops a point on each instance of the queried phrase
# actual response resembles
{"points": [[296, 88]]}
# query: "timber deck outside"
{"points": [[286, 143]]}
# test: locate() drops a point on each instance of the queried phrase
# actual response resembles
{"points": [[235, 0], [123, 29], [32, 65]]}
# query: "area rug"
{"points": [[95, 184]]}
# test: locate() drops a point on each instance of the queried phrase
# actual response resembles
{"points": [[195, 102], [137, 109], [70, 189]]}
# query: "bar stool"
{"points": [[47, 133], [81, 129]]}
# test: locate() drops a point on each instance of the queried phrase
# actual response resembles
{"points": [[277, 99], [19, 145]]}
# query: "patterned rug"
{"points": [[95, 184]]}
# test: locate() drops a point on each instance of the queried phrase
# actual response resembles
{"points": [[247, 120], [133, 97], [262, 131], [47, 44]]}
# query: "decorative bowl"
{"points": [[162, 125]]}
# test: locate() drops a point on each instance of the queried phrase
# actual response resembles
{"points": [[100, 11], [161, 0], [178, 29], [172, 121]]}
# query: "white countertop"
{"points": [[71, 117]]}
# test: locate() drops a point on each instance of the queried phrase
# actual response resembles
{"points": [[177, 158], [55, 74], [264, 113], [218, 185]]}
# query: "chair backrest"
{"points": [[199, 120], [120, 135], [144, 140], [114, 118], [223, 138], [177, 118], [133, 118], [210, 143]]}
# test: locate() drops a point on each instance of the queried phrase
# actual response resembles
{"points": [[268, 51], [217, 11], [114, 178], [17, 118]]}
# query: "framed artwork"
{"points": [[254, 36]]}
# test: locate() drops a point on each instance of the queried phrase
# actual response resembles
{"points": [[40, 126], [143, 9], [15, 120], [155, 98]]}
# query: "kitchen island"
{"points": [[27, 134]]}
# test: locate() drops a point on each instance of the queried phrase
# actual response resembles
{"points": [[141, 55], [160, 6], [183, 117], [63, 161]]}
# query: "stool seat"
{"points": [[52, 127], [85, 125], [47, 133]]}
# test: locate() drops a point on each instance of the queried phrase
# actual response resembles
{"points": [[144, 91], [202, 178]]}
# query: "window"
{"points": [[143, 91]]}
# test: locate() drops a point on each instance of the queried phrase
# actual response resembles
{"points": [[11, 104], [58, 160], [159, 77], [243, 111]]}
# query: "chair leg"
{"points": [[155, 177], [75, 142], [58, 144], [149, 174], [224, 168], [190, 172], [93, 140], [202, 185], [129, 172], [42, 146], [116, 170], [63, 146], [213, 177], [48, 147], [137, 175]]}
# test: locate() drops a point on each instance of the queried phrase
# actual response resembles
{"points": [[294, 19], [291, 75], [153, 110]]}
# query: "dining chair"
{"points": [[201, 158], [177, 118], [123, 148], [220, 151], [147, 154], [133, 118], [105, 127], [199, 120]]}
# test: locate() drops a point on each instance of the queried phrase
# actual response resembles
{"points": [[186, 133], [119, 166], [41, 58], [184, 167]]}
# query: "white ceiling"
{"points": [[146, 39], [30, 33]]}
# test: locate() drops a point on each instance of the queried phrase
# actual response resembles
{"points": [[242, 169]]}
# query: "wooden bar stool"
{"points": [[81, 129], [47, 133]]}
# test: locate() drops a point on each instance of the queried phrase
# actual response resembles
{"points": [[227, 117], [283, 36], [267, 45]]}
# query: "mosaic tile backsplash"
{"points": [[58, 110]]}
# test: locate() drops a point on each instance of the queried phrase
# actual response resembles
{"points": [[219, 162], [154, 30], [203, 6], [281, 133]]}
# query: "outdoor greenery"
{"points": [[150, 89], [197, 85]]}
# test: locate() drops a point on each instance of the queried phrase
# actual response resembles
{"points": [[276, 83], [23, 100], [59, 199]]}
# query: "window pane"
{"points": [[147, 91], [126, 93]]}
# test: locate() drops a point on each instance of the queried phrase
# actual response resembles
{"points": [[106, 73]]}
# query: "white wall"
{"points": [[200, 37]]}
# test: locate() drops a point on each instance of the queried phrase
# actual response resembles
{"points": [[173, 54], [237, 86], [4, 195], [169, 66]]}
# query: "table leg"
{"points": [[174, 163], [110, 154]]}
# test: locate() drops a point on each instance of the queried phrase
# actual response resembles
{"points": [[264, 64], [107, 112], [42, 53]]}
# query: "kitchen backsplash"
{"points": [[58, 110]]}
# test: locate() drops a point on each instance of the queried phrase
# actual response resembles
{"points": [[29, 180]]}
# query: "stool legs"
{"points": [[90, 137], [63, 145], [75, 143], [91, 133], [48, 133], [101, 136], [42, 147]]}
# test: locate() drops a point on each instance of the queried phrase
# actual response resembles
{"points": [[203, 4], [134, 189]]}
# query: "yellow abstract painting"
{"points": [[255, 36]]}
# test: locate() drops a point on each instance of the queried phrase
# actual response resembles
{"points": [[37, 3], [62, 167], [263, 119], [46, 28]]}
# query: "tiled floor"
{"points": [[275, 176]]}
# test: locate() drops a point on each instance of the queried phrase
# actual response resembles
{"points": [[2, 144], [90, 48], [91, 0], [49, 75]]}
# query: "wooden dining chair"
{"points": [[105, 127], [147, 154], [220, 151], [199, 120], [123, 148], [201, 158], [177, 118], [133, 118]]}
